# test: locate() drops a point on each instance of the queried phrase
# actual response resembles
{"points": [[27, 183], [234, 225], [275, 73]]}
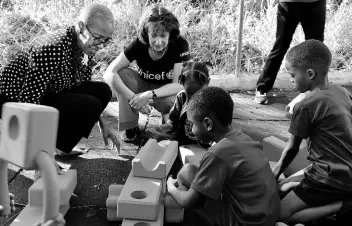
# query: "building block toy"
{"points": [[158, 222], [26, 130], [111, 202], [66, 184], [28, 140], [153, 160], [191, 154], [31, 215], [273, 147], [173, 212], [140, 198]]}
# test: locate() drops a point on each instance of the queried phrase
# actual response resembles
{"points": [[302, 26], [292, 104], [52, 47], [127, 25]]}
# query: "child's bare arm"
{"points": [[287, 155], [186, 199]]}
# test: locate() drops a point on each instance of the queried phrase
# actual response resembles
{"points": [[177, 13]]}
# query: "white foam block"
{"points": [[67, 183], [26, 130], [153, 160], [30, 215], [273, 148], [158, 222], [191, 154], [140, 198], [111, 202]]}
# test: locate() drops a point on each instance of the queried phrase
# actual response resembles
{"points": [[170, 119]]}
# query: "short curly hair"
{"points": [[310, 54], [212, 101], [158, 17]]}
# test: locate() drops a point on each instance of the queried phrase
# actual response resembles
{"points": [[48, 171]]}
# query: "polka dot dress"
{"points": [[50, 64]]}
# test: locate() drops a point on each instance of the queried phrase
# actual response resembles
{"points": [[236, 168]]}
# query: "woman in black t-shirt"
{"points": [[158, 51]]}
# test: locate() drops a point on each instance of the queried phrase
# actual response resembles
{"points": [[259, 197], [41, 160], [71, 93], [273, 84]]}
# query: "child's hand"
{"points": [[171, 183], [12, 203], [58, 221]]}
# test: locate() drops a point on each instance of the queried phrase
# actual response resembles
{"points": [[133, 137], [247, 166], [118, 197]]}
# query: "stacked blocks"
{"points": [[141, 200], [273, 147], [28, 140]]}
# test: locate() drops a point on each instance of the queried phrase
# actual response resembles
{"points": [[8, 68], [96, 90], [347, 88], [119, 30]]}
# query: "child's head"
{"points": [[308, 64], [194, 76], [210, 111]]}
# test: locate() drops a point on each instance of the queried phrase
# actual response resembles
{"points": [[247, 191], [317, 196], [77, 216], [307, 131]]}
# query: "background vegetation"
{"points": [[210, 27]]}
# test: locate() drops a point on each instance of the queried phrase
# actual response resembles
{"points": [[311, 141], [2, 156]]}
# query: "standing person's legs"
{"points": [[313, 20], [78, 112], [287, 21]]}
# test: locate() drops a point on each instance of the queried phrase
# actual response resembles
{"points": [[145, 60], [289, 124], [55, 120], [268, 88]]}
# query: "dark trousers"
{"points": [[79, 109], [289, 15]]}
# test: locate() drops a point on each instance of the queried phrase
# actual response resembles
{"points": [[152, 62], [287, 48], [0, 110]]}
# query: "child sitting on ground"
{"points": [[194, 76], [233, 184], [324, 118]]}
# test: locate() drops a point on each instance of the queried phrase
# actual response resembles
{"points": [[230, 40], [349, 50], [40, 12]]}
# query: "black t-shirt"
{"points": [[157, 71]]}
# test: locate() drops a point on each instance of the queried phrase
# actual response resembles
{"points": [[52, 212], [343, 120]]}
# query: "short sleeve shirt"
{"points": [[157, 71], [236, 172], [50, 63], [324, 118]]}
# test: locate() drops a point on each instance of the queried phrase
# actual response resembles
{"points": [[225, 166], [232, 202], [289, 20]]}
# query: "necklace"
{"points": [[155, 56]]}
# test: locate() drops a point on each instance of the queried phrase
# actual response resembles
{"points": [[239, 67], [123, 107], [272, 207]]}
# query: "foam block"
{"points": [[67, 183], [140, 198], [26, 130], [154, 161], [191, 154], [111, 202], [158, 222], [31, 215], [273, 148]]}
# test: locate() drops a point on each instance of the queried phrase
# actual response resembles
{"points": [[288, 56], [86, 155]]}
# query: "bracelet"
{"points": [[154, 94]]}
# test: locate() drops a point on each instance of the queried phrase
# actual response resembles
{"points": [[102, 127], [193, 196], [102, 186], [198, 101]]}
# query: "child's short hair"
{"points": [[194, 71], [212, 101], [310, 54], [161, 17]]}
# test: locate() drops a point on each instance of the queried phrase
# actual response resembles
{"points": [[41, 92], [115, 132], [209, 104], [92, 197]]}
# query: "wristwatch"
{"points": [[154, 94]]}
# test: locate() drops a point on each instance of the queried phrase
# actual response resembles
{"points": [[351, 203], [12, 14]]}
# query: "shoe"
{"points": [[260, 98], [129, 135]]}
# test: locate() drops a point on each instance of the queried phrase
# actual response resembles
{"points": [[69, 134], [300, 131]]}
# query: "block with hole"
{"points": [[158, 222], [66, 184], [26, 130], [154, 160], [111, 202], [191, 154], [140, 198], [273, 148], [28, 140]]}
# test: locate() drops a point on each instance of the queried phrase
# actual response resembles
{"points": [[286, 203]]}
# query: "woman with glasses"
{"points": [[56, 69], [158, 52]]}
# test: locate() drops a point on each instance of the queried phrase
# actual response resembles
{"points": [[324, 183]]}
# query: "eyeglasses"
{"points": [[99, 40]]}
